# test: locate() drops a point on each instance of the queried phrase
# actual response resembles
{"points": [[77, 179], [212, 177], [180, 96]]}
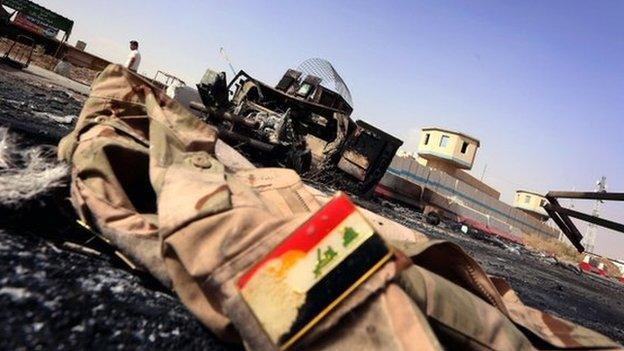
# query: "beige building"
{"points": [[531, 203], [455, 149], [451, 152]]}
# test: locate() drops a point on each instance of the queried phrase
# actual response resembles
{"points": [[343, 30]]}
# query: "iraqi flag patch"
{"points": [[294, 286]]}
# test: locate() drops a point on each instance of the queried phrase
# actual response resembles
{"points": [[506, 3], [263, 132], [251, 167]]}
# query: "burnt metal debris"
{"points": [[164, 80], [561, 215], [330, 78], [20, 53], [300, 122]]}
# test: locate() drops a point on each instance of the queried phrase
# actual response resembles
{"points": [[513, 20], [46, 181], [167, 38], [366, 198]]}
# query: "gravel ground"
{"points": [[52, 297]]}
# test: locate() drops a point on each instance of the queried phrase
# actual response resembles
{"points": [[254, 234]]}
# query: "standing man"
{"points": [[134, 58]]}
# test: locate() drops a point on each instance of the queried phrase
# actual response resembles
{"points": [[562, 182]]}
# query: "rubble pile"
{"points": [[82, 75]]}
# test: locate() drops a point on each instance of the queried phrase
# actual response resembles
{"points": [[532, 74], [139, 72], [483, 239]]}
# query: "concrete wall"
{"points": [[442, 165], [470, 180], [463, 199], [84, 59]]}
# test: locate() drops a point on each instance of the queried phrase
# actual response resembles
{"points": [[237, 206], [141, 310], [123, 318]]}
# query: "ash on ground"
{"points": [[52, 298], [37, 107]]}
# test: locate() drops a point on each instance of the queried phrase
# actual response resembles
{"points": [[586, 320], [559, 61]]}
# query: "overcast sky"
{"points": [[540, 83]]}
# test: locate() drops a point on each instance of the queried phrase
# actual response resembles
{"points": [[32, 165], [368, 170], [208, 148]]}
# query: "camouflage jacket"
{"points": [[156, 181]]}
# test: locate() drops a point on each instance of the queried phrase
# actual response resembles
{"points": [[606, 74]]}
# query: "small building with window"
{"points": [[532, 203], [451, 152], [448, 146]]}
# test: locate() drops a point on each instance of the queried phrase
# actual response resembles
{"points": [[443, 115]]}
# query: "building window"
{"points": [[444, 141], [426, 138], [527, 199], [464, 147]]}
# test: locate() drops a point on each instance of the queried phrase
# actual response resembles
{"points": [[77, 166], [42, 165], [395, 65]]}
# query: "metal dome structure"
{"points": [[330, 78]]}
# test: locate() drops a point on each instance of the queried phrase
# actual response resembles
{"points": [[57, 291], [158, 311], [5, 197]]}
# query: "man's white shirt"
{"points": [[137, 60]]}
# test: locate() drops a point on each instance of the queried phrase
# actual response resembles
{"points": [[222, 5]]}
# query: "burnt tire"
{"points": [[432, 218]]}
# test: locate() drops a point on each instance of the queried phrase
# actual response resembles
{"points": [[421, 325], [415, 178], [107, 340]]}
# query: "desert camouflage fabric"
{"points": [[156, 181]]}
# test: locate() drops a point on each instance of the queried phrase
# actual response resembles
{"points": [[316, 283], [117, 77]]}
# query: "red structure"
{"points": [[591, 263]]}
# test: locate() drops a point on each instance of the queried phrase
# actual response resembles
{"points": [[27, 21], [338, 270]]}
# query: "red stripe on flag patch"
{"points": [[308, 234]]}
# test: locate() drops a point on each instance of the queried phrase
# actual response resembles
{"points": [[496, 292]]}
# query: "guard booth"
{"points": [[43, 26]]}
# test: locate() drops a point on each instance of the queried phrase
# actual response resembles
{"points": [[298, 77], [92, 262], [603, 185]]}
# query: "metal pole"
{"points": [[227, 59], [58, 49]]}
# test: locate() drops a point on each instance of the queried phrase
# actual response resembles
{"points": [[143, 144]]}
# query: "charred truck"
{"points": [[300, 123]]}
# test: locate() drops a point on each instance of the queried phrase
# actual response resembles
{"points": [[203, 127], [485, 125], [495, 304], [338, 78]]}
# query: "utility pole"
{"points": [[589, 240]]}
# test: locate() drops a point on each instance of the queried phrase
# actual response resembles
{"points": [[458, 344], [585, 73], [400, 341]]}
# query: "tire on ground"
{"points": [[432, 218]]}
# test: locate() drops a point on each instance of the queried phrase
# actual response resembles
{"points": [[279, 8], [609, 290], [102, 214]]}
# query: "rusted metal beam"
{"points": [[561, 216], [222, 114], [588, 218], [238, 138], [568, 222], [586, 195], [565, 229]]}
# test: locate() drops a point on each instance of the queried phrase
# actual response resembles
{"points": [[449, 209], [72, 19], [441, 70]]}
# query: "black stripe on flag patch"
{"points": [[337, 281]]}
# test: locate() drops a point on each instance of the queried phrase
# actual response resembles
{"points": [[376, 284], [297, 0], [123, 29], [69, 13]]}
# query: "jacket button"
{"points": [[201, 161]]}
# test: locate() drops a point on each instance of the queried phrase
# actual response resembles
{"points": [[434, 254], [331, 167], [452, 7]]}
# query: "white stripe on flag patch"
{"points": [[344, 239]]}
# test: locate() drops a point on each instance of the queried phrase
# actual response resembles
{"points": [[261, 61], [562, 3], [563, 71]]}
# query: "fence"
{"points": [[464, 200]]}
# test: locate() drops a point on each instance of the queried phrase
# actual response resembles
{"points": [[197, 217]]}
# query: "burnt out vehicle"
{"points": [[299, 123]]}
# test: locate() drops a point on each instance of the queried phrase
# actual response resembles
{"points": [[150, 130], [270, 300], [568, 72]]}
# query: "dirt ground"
{"points": [[51, 296]]}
